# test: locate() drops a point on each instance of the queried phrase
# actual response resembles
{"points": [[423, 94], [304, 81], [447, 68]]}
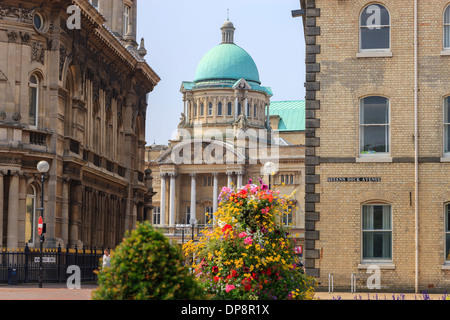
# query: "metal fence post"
{"points": [[27, 249]]}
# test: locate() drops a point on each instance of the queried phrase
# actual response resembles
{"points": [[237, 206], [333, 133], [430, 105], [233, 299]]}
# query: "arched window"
{"points": [[255, 111], [33, 108], [30, 215], [195, 110], [374, 28], [201, 109], [230, 109], [248, 110], [447, 28], [239, 108], [377, 232], [374, 125], [219, 109]]}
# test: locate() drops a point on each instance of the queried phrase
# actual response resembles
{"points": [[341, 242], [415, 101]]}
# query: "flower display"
{"points": [[248, 254]]}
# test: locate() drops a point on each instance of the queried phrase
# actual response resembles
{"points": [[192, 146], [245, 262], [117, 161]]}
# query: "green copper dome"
{"points": [[226, 61]]}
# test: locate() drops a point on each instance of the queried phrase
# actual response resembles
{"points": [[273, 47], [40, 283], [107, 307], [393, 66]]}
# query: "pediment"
{"points": [[242, 84]]}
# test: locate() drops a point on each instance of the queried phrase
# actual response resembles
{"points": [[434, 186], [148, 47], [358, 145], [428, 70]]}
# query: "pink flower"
{"points": [[248, 240], [229, 287], [242, 235]]}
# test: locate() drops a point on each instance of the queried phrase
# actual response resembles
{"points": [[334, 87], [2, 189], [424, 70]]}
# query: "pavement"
{"points": [[61, 292], [47, 292]]}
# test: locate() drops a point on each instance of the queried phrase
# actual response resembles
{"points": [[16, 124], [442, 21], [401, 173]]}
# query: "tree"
{"points": [[146, 266]]}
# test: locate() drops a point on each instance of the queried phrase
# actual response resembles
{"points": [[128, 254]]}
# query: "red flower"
{"points": [[234, 273], [226, 227], [215, 269], [216, 278]]}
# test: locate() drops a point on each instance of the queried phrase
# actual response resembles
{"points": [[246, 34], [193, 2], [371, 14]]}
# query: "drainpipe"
{"points": [[416, 153]]}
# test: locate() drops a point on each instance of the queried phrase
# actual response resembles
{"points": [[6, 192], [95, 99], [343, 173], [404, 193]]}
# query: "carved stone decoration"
{"points": [[16, 116], [12, 36], [182, 123], [241, 122], [62, 60], [37, 52], [25, 36], [19, 14]]}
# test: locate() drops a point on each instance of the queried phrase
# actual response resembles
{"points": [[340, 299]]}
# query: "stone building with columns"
{"points": [[226, 135], [75, 98]]}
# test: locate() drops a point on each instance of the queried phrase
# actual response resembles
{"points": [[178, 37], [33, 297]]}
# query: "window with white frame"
{"points": [[447, 233], [188, 215], [287, 216], [374, 125], [126, 19], [447, 126], [209, 215], [374, 28], [210, 109], [447, 28], [219, 109], [156, 215], [95, 3], [377, 232], [33, 108]]}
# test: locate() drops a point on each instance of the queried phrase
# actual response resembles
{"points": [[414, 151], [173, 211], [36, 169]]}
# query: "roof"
{"points": [[226, 61], [291, 113]]}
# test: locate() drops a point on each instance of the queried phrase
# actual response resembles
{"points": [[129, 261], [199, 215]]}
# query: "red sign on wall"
{"points": [[298, 249]]}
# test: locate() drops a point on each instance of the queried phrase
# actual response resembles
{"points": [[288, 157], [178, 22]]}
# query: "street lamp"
{"points": [[43, 168], [270, 169]]}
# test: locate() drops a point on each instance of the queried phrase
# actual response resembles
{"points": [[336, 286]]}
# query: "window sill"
{"points": [[445, 52], [445, 159], [375, 54], [445, 267], [381, 265], [374, 159]]}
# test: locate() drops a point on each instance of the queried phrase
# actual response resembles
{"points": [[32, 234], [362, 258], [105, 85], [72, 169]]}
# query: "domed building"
{"points": [[226, 135]]}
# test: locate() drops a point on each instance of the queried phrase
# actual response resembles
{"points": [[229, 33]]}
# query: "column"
{"points": [[236, 107], [12, 236], [239, 179], [162, 201], [193, 196], [229, 178], [268, 116], [1, 208], [172, 199], [245, 105], [65, 211], [215, 190]]}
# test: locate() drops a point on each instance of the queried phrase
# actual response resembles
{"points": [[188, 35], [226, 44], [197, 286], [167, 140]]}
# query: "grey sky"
{"points": [[178, 33]]}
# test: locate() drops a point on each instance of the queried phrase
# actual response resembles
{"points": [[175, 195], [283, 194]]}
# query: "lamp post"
{"points": [[270, 169], [43, 168]]}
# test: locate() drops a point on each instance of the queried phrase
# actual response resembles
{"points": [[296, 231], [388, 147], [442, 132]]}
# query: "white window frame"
{"points": [[156, 214], [389, 230], [95, 6], [383, 50], [209, 215], [34, 86], [444, 28], [446, 127], [361, 131], [210, 109], [446, 233], [126, 18]]}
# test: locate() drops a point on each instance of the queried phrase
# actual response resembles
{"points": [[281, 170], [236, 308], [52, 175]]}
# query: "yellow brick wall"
{"points": [[344, 79]]}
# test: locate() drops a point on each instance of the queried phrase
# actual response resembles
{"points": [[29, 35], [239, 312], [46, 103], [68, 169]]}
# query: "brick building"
{"points": [[377, 143]]}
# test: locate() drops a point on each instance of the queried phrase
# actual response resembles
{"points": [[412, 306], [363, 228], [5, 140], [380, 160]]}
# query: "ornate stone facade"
{"points": [[77, 99], [226, 135]]}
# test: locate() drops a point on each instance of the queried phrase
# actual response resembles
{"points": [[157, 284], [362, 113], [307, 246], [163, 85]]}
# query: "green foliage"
{"points": [[146, 266]]}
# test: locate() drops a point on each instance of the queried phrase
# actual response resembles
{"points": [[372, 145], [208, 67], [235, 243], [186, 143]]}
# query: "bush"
{"points": [[146, 266]]}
